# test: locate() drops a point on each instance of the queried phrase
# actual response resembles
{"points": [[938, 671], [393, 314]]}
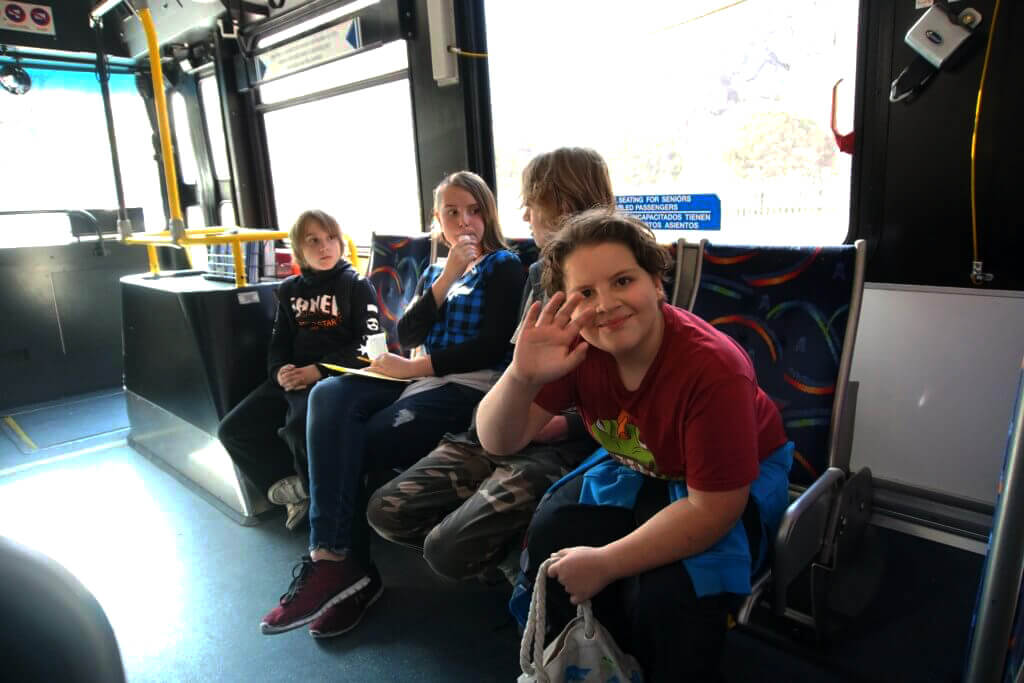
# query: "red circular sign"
{"points": [[15, 13], [40, 17]]}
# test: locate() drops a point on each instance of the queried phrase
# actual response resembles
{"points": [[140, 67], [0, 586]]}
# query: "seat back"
{"points": [[396, 264], [54, 630], [528, 253], [795, 311]]}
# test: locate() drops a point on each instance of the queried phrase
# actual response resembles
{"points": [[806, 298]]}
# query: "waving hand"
{"points": [[542, 352]]}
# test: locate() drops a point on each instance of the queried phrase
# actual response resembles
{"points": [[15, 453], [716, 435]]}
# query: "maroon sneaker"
{"points": [[346, 615], [315, 587]]}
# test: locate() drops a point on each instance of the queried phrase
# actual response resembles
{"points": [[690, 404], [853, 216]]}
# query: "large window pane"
{"points": [[140, 171], [679, 101], [56, 161], [215, 125], [352, 156], [183, 140]]}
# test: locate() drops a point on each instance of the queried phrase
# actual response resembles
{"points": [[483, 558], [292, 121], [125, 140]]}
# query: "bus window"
{"points": [[226, 211], [351, 154], [38, 131], [683, 98], [215, 125], [194, 219], [183, 142]]}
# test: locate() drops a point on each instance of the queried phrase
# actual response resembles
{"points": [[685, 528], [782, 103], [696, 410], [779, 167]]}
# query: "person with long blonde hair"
{"points": [[463, 318], [465, 507]]}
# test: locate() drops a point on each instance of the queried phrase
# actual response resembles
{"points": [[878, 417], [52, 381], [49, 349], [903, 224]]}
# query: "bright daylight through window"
{"points": [[351, 155], [38, 130], [684, 98]]}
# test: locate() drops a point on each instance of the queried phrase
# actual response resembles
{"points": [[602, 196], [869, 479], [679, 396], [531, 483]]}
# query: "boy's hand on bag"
{"points": [[542, 352], [583, 572]]}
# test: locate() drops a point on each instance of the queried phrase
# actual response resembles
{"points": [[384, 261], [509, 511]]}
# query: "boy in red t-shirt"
{"points": [[666, 532]]}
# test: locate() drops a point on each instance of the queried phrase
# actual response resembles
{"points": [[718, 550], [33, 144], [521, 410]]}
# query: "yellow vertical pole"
{"points": [[353, 255], [163, 122], [154, 261], [236, 251]]}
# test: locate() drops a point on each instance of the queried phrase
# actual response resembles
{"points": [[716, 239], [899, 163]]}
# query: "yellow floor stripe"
{"points": [[20, 432]]}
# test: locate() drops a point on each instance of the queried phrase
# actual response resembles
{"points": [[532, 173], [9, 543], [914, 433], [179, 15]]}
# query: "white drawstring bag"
{"points": [[583, 651]]}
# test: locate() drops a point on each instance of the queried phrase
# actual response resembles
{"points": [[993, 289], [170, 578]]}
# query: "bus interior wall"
{"points": [[912, 163]]}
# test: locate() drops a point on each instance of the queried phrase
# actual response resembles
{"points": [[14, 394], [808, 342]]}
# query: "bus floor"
{"points": [[184, 588]]}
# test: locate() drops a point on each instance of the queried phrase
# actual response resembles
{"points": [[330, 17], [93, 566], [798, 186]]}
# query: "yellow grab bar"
{"points": [[163, 123], [353, 255], [202, 236]]}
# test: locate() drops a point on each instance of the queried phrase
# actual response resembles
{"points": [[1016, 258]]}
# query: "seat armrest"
{"points": [[802, 532], [843, 450]]}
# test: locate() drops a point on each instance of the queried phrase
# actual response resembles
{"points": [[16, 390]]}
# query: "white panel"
{"points": [[938, 370]]}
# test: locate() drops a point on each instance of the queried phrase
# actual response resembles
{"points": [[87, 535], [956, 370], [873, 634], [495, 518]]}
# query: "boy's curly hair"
{"points": [[601, 226]]}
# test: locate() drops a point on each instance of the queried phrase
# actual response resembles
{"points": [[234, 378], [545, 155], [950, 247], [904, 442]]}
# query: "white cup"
{"points": [[376, 345]]}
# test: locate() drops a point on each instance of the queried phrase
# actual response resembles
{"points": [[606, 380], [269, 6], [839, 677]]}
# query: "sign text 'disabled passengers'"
{"points": [[674, 211]]}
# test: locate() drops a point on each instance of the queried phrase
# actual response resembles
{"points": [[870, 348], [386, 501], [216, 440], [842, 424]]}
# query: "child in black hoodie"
{"points": [[323, 316]]}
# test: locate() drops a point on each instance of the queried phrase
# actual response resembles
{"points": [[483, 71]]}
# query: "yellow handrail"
{"points": [[353, 254], [203, 236], [177, 235], [163, 123]]}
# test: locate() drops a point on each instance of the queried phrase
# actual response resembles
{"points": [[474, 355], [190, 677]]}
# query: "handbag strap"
{"points": [[536, 625], [536, 622]]}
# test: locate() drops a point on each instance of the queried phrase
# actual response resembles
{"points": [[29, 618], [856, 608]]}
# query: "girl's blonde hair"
{"points": [[297, 234], [567, 181], [493, 240]]}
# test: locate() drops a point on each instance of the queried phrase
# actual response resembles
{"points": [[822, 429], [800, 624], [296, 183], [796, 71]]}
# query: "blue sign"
{"points": [[674, 211]]}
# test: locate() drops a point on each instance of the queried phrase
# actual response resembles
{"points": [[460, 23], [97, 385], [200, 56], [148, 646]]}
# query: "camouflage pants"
{"points": [[466, 508]]}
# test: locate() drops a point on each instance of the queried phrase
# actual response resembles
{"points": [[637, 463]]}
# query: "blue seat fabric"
{"points": [[396, 264], [787, 307]]}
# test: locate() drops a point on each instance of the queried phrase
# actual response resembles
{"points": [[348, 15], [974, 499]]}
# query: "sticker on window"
{"points": [[674, 211]]}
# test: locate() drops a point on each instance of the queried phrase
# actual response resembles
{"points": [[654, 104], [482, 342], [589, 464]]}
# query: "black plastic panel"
{"points": [[912, 164], [61, 319], [192, 347], [439, 117]]}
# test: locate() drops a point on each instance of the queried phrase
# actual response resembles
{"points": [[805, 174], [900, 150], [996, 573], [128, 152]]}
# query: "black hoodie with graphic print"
{"points": [[323, 316]]}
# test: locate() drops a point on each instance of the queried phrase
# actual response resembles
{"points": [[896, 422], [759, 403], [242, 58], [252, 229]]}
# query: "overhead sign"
{"points": [[27, 17], [319, 48], [674, 211]]}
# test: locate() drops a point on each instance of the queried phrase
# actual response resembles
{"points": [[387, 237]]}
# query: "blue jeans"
{"points": [[358, 425]]}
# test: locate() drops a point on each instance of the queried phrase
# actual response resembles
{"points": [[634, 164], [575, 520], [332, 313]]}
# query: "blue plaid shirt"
{"points": [[463, 307]]}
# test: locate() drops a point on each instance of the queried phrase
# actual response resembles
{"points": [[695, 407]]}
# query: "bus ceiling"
{"points": [[65, 27], [187, 23]]}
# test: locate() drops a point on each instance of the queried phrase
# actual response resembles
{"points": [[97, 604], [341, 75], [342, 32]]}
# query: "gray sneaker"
{"points": [[287, 491]]}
